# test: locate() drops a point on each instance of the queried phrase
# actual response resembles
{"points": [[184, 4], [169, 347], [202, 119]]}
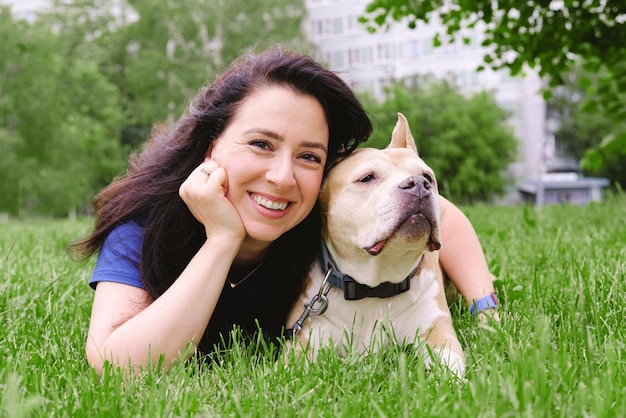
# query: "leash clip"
{"points": [[310, 308]]}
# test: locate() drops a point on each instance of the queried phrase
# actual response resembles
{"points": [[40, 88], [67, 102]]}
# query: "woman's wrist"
{"points": [[483, 304]]}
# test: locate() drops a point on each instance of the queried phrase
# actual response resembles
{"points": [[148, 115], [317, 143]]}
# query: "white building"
{"points": [[369, 61], [25, 9]]}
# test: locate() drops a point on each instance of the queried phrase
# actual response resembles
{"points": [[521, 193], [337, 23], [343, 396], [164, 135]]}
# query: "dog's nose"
{"points": [[415, 182]]}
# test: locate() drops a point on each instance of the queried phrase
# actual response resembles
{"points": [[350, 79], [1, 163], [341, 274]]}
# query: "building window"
{"points": [[326, 27], [473, 78], [428, 46], [383, 52], [470, 41], [337, 60], [450, 46], [363, 85], [316, 27], [460, 79], [352, 23], [511, 108], [505, 75], [337, 25], [384, 82], [354, 56], [388, 52], [367, 55], [413, 49]]}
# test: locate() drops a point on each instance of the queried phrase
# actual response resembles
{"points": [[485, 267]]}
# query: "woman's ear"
{"points": [[209, 151]]}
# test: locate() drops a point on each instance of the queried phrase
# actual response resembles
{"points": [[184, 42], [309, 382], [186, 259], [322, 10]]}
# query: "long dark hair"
{"points": [[149, 190]]}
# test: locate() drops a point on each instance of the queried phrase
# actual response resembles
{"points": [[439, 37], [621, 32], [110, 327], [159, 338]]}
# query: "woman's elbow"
{"points": [[95, 357]]}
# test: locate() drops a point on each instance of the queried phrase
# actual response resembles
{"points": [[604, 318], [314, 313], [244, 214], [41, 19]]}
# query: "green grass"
{"points": [[559, 350]]}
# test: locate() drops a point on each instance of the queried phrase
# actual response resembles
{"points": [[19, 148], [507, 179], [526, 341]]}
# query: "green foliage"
{"points": [[464, 139], [161, 59], [552, 37], [85, 83], [10, 139], [9, 173], [62, 119], [558, 350], [589, 135]]}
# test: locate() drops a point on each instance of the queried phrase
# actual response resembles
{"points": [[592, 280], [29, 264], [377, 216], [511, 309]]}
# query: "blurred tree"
{"points": [[552, 36], [89, 78], [172, 48], [464, 139], [61, 116], [580, 130], [9, 137]]}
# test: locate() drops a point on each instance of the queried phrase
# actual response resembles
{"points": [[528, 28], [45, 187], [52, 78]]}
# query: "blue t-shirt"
{"points": [[119, 257], [249, 305]]}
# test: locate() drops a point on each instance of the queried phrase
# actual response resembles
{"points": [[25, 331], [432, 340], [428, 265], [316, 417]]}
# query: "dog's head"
{"points": [[381, 210]]}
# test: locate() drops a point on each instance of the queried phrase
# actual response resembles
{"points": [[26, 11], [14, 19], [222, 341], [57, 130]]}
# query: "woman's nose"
{"points": [[281, 173]]}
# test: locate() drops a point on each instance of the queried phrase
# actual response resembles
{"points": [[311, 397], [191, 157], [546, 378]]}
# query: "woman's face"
{"points": [[274, 151]]}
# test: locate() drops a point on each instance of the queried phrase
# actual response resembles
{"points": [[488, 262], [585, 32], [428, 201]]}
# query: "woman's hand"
{"points": [[204, 193]]}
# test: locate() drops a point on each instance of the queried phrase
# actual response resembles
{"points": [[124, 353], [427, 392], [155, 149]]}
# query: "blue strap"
{"points": [[486, 302]]}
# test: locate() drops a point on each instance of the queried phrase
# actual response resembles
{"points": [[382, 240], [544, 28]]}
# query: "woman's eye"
{"points": [[260, 144], [367, 178], [311, 157]]}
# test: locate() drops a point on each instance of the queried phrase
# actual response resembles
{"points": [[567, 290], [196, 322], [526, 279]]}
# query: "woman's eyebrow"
{"points": [[311, 144], [265, 132]]}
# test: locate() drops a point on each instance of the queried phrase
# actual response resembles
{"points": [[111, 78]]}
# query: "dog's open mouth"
{"points": [[416, 225]]}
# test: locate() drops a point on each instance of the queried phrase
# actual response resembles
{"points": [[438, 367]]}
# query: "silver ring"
{"points": [[205, 171]]}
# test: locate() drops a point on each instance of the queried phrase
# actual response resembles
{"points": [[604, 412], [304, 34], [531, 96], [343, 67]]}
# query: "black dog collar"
{"points": [[353, 290]]}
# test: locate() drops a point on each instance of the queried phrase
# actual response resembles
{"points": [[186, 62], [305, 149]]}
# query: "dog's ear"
{"points": [[401, 136]]}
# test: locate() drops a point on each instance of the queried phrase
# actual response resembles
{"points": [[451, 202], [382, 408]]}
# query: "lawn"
{"points": [[559, 350]]}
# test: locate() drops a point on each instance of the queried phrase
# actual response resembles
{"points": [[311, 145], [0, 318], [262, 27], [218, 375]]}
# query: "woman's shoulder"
{"points": [[126, 234], [120, 255]]}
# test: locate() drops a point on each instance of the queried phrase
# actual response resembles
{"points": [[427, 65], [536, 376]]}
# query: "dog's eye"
{"points": [[367, 178]]}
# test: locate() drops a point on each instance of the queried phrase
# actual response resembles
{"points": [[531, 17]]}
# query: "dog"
{"points": [[379, 279]]}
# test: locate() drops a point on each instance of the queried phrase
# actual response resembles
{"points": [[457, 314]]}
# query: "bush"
{"points": [[464, 139]]}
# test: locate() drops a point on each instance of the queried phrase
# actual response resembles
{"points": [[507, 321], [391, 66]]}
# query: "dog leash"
{"points": [[312, 308]]}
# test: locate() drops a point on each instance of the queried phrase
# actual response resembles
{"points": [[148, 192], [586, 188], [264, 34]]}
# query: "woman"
{"points": [[216, 222]]}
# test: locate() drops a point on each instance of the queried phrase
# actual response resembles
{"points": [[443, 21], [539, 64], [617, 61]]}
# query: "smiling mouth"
{"points": [[266, 203]]}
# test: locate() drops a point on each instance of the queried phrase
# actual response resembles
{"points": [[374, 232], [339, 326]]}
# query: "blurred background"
{"points": [[508, 103]]}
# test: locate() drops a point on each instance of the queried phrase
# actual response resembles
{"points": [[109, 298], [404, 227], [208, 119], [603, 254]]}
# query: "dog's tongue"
{"points": [[377, 248]]}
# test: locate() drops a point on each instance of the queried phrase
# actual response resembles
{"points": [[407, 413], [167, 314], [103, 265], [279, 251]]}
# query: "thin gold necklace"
{"points": [[234, 285]]}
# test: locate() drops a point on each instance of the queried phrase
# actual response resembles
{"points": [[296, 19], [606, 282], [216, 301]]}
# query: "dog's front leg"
{"points": [[441, 337], [444, 346]]}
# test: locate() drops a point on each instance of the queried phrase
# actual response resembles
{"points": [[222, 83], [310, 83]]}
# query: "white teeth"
{"points": [[269, 204]]}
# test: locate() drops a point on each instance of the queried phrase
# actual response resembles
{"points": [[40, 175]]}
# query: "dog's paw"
{"points": [[449, 359]]}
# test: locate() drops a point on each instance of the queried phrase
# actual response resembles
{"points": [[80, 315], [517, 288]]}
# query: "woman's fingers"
{"points": [[204, 193]]}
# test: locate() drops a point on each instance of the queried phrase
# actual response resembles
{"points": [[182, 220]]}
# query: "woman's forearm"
{"points": [[171, 326], [461, 255]]}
